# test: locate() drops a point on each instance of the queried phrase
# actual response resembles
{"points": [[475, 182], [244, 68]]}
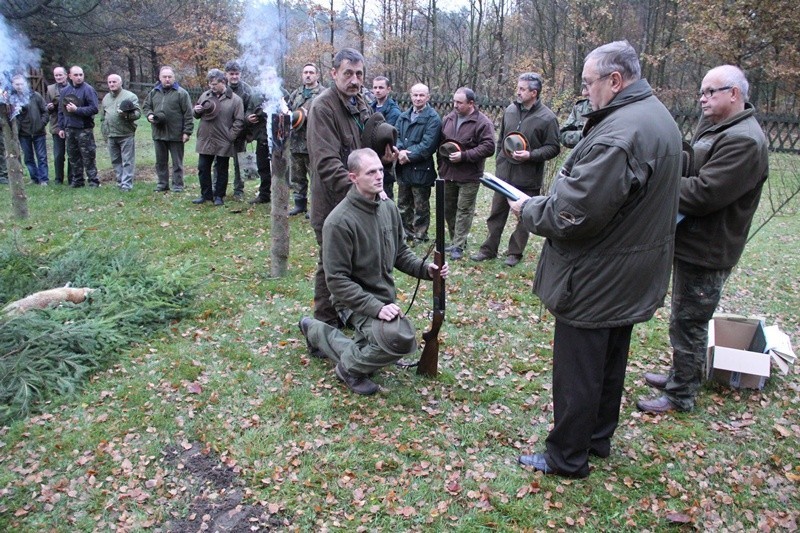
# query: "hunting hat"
{"points": [[378, 134], [298, 118], [449, 146], [513, 142], [159, 117], [127, 106], [210, 108], [396, 336], [71, 99]]}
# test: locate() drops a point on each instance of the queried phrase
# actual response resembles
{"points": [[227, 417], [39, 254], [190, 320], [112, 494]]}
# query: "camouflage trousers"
{"points": [[300, 171], [696, 292], [415, 209], [82, 154]]}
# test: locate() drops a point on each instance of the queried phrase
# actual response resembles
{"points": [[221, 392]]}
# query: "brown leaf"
{"points": [[194, 387], [678, 518]]}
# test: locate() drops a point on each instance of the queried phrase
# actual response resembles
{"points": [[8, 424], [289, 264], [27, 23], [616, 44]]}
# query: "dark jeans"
{"points": [[218, 188], [588, 378], [59, 157], [34, 150], [496, 223], [696, 292], [165, 150]]}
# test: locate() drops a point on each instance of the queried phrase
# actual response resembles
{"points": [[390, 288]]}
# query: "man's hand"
{"points": [[389, 312], [521, 155], [185, 137], [432, 268], [252, 119], [61, 134], [516, 205], [390, 155], [455, 157], [150, 118], [402, 157], [198, 109], [51, 106], [71, 108]]}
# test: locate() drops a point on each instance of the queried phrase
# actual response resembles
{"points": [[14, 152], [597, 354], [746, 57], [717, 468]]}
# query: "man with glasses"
{"points": [[469, 134], [522, 168], [609, 225], [720, 191]]}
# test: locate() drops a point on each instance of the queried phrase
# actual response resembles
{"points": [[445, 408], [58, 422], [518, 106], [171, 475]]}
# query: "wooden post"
{"points": [[19, 201], [279, 251]]}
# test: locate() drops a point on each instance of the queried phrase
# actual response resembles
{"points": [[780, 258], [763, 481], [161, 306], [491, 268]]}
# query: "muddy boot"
{"points": [[299, 207]]}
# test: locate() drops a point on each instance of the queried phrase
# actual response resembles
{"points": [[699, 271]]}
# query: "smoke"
{"points": [[263, 48], [16, 57]]}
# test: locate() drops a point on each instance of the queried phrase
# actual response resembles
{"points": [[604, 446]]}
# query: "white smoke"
{"points": [[263, 47], [16, 57]]}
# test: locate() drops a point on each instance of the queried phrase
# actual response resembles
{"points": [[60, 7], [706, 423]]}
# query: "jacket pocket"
{"points": [[553, 280]]}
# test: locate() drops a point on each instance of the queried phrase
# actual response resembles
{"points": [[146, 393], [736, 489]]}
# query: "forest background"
{"points": [[483, 44]]}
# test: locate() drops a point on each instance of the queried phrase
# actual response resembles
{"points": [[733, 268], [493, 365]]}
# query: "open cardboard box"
{"points": [[741, 350]]}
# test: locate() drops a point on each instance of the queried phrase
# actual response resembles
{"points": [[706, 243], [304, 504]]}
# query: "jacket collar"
{"points": [[361, 203], [638, 90], [159, 87], [705, 125]]}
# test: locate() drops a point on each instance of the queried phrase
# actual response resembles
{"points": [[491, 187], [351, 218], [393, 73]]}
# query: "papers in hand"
{"points": [[498, 185]]}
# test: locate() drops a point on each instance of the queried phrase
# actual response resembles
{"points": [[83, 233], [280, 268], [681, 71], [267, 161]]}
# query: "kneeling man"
{"points": [[366, 242]]}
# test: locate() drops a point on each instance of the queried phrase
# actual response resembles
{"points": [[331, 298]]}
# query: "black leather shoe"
{"points": [[161, 189], [657, 381], [657, 406], [538, 462], [313, 351], [512, 260], [359, 384], [218, 201], [456, 253], [259, 200], [200, 200]]}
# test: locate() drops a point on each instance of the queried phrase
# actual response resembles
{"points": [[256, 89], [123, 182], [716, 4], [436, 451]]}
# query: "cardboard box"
{"points": [[741, 350]]}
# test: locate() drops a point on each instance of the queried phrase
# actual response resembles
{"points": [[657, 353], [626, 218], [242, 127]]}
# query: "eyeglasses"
{"points": [[587, 84], [708, 93]]}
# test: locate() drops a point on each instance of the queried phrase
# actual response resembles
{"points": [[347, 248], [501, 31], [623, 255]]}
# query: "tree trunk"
{"points": [[279, 251], [19, 202]]}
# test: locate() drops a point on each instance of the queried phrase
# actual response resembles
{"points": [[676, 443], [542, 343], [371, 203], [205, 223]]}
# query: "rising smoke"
{"points": [[263, 48], [16, 57]]}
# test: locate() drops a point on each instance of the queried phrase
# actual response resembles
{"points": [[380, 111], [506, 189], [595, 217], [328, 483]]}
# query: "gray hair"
{"points": [[216, 74], [534, 81], [618, 56], [347, 54], [734, 77], [233, 66]]}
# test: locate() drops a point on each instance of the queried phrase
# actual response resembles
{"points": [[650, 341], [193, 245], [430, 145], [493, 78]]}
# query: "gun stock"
{"points": [[429, 361]]}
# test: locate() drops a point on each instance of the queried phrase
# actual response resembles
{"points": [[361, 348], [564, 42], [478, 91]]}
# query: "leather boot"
{"points": [[299, 207]]}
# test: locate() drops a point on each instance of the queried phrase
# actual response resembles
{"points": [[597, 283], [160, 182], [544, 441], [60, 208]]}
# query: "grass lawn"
{"points": [[280, 436]]}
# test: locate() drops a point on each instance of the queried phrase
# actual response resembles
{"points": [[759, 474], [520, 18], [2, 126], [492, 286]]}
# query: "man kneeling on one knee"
{"points": [[364, 242]]}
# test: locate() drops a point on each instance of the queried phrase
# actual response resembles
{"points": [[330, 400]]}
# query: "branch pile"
{"points": [[45, 353]]}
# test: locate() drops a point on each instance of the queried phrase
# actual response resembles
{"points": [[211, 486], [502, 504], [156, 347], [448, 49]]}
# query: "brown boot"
{"points": [[358, 384]]}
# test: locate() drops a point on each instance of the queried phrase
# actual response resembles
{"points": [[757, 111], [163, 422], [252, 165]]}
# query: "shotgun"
{"points": [[429, 361]]}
